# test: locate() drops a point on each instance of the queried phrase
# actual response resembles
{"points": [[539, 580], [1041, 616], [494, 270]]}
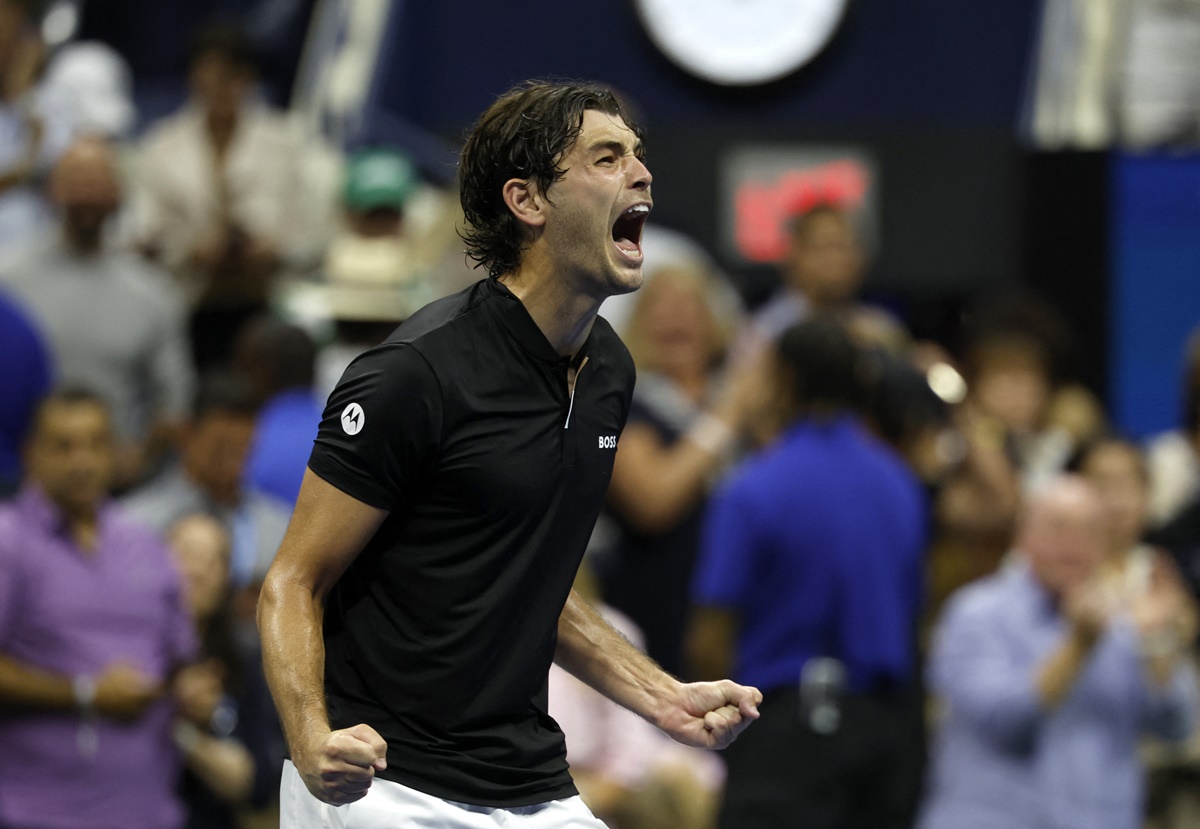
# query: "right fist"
{"points": [[338, 768], [124, 693]]}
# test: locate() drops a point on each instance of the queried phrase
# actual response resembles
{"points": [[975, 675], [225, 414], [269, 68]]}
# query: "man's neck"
{"points": [[83, 526], [564, 315]]}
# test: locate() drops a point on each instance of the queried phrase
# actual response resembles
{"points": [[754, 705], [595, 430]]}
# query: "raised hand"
{"points": [[338, 767]]}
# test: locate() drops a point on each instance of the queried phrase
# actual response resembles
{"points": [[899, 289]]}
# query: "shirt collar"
{"points": [[37, 509], [514, 317]]}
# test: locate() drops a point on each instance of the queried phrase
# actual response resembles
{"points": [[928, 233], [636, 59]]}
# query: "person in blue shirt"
{"points": [[26, 369], [809, 586], [278, 361], [1049, 672]]}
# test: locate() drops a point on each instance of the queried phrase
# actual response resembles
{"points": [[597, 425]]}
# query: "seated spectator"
{"points": [[209, 479], [229, 192], [1047, 681], [683, 427], [1174, 456], [25, 367], [111, 320], [226, 727], [809, 586], [278, 361], [92, 624]]}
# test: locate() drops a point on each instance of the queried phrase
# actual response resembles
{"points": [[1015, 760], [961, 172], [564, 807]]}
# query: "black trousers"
{"points": [[866, 775]]}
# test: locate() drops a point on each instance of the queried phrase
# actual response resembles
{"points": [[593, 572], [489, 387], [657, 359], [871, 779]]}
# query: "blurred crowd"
{"points": [[967, 600]]}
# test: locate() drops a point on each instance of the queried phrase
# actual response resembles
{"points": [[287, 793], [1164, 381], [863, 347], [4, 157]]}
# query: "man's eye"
{"points": [[608, 159]]}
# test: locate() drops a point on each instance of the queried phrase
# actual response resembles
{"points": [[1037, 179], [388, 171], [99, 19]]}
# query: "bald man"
{"points": [[113, 323], [1047, 681]]}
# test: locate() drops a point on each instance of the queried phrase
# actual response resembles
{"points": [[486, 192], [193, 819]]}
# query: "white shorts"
{"points": [[389, 805]]}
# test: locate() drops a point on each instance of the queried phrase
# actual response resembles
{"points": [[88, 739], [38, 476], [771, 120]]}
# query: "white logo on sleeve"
{"points": [[353, 419], [608, 441]]}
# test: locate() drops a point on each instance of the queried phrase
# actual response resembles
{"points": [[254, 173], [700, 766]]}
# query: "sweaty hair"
{"points": [[523, 135], [823, 365]]}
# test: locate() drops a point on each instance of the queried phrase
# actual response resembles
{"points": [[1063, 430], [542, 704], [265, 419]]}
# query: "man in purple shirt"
{"points": [[1049, 672], [92, 625]]}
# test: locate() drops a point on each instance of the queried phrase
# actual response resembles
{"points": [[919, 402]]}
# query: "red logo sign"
{"points": [[762, 210]]}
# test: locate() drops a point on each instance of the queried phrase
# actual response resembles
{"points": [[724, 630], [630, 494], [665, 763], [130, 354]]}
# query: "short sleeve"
{"points": [[381, 429], [727, 551]]}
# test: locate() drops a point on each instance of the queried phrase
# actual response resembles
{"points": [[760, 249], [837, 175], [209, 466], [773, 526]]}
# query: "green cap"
{"points": [[378, 178]]}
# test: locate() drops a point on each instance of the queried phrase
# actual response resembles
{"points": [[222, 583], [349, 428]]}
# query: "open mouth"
{"points": [[627, 230]]}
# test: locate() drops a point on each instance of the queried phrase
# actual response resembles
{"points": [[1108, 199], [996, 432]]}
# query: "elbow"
{"points": [[652, 515]]}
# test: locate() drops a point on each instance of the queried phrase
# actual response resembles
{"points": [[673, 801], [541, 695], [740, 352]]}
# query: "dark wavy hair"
{"points": [[523, 135]]}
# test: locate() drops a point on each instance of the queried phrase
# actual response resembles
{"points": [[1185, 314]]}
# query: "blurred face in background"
{"points": [[86, 187], [676, 330], [219, 85], [70, 454], [1117, 472], [1011, 383], [200, 546], [825, 262], [215, 452], [1064, 536]]}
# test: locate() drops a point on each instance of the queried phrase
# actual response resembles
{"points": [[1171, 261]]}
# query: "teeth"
{"points": [[637, 209]]}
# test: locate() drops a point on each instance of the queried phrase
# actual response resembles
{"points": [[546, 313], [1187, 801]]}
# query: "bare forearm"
{"points": [[225, 766], [590, 649], [1061, 669], [654, 485], [289, 621], [26, 688]]}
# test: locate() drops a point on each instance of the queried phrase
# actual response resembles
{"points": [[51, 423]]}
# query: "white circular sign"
{"points": [[741, 42], [353, 419]]}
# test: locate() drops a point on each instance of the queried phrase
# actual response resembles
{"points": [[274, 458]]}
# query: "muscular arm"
{"points": [[706, 714], [328, 529]]}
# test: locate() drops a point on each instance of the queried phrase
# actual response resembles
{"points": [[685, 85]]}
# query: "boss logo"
{"points": [[608, 441]]}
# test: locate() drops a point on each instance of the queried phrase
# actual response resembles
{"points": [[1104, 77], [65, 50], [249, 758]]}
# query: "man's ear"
{"points": [[525, 201]]}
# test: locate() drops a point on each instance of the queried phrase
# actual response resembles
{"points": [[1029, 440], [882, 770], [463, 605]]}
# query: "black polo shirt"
{"points": [[441, 633]]}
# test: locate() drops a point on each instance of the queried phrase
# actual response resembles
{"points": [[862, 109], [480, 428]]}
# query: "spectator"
{"points": [[229, 193], [25, 367], [1174, 456], [811, 570], [1015, 367], [111, 320], [682, 428], [373, 276], [278, 362], [30, 136], [210, 480], [226, 727], [1047, 682], [822, 272], [1117, 470], [92, 623]]}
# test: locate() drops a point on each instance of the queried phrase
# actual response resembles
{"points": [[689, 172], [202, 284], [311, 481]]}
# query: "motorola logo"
{"points": [[353, 419]]}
